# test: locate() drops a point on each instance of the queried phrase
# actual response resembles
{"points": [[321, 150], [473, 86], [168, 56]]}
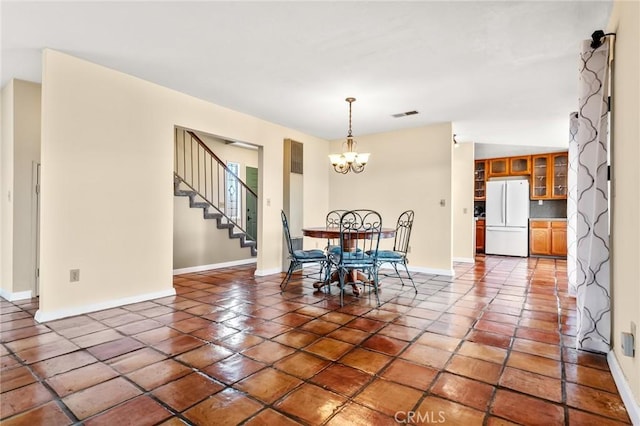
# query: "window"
{"points": [[232, 192]]}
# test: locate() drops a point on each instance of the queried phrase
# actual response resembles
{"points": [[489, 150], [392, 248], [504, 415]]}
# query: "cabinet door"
{"points": [[479, 180], [559, 163], [480, 236], [540, 177], [499, 167], [559, 238], [540, 238], [520, 165]]}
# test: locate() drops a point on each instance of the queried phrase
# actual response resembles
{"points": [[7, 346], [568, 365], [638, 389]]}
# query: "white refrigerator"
{"points": [[507, 217]]}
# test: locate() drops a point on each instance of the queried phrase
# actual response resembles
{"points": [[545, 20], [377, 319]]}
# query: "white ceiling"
{"points": [[502, 72]]}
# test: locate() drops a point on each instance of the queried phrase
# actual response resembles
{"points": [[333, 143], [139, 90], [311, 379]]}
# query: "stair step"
{"points": [[199, 205], [184, 193], [196, 201]]}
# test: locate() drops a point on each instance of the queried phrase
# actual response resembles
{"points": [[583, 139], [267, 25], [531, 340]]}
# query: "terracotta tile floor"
{"points": [[492, 347]]}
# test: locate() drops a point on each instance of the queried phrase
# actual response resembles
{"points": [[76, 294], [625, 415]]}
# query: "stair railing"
{"points": [[204, 172]]}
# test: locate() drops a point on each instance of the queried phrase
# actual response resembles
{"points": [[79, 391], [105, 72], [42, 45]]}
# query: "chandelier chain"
{"points": [[349, 134]]}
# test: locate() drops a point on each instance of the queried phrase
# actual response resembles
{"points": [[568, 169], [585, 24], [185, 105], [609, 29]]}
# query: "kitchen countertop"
{"points": [[557, 219]]}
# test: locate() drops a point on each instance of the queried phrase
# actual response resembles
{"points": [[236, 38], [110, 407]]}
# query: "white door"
{"points": [[494, 205], [517, 203]]}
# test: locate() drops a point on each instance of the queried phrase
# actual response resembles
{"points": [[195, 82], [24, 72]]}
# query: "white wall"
{"points": [[625, 200], [462, 193], [20, 149], [408, 169], [107, 207]]}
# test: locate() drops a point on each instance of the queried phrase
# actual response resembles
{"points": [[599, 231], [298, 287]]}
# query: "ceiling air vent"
{"points": [[404, 114]]}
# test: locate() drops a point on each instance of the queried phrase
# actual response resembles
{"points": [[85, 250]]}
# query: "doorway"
{"points": [[251, 178]]}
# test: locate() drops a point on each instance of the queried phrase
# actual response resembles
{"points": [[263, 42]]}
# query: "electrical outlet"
{"points": [[464, 210], [74, 275]]}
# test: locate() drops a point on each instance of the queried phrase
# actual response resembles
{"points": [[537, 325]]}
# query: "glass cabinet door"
{"points": [[560, 167], [539, 177], [479, 179], [520, 165], [498, 167]]}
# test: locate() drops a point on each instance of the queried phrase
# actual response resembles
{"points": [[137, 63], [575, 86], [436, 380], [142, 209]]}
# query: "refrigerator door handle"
{"points": [[502, 205]]}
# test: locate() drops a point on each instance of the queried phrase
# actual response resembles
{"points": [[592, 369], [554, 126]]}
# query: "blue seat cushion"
{"points": [[309, 254], [336, 250], [389, 255]]}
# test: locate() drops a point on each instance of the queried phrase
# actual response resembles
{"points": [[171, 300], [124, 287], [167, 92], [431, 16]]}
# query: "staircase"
{"points": [[203, 177]]}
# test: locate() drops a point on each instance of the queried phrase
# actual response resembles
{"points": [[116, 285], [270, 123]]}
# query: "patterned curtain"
{"points": [[593, 298], [572, 203]]}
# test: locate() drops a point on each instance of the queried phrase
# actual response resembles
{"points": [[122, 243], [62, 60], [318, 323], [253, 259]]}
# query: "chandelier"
{"points": [[349, 160]]}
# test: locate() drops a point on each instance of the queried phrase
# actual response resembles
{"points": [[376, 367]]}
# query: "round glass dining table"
{"points": [[333, 233]]}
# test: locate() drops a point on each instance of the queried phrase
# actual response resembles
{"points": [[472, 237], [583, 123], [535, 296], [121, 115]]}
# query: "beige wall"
{"points": [[107, 207], [6, 210], [625, 199], [464, 246], [408, 169], [21, 148]]}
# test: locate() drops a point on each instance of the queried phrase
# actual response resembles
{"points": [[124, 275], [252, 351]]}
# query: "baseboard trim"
{"points": [[265, 272], [221, 265], [464, 259], [18, 295], [633, 409], [79, 310]]}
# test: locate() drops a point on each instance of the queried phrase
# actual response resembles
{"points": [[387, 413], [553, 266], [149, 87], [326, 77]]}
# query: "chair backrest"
{"points": [[287, 233], [333, 221], [403, 232], [359, 234]]}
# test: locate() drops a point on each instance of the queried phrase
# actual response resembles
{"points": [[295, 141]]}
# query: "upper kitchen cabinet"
{"points": [[498, 167], [549, 176], [560, 164], [540, 177], [519, 165], [509, 166], [479, 180]]}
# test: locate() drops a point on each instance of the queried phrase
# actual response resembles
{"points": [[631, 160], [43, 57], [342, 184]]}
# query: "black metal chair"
{"points": [[333, 221], [359, 240], [398, 256], [299, 258]]}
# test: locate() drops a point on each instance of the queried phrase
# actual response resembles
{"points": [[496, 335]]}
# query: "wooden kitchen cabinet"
{"points": [[480, 180], [480, 236], [498, 167], [549, 176], [560, 166], [558, 238], [548, 237], [540, 177], [519, 166], [540, 237]]}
